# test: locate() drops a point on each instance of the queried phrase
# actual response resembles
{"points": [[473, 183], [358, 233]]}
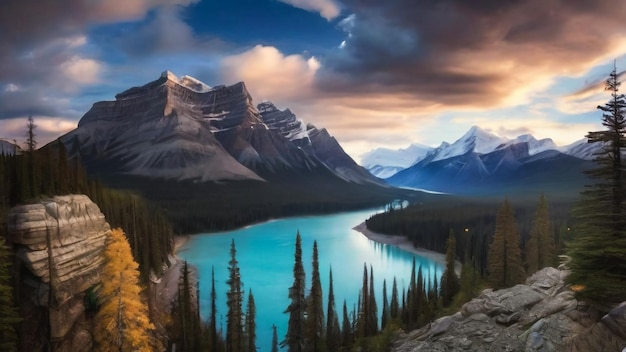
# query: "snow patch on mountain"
{"points": [[9, 148], [398, 158], [189, 82], [475, 140], [581, 149], [534, 146]]}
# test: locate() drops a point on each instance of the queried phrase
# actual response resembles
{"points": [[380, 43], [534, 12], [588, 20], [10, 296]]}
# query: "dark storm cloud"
{"points": [[459, 52]]}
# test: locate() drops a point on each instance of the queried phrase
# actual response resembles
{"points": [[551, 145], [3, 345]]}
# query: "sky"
{"points": [[374, 73]]}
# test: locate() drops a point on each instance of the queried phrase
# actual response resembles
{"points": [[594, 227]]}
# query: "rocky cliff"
{"points": [[542, 315], [59, 244]]}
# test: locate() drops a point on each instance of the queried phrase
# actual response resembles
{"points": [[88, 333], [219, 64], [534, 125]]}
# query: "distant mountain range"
{"points": [[481, 162], [182, 129], [9, 148]]}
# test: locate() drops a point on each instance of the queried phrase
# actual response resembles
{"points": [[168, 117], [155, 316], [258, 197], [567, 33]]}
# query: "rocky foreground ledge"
{"points": [[542, 315]]}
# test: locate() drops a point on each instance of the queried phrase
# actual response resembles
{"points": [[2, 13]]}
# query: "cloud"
{"points": [[48, 128], [328, 9], [470, 54], [271, 75]]}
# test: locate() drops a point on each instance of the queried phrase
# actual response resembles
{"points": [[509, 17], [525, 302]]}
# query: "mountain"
{"points": [[384, 162], [316, 143], [509, 169], [582, 149], [182, 129], [534, 146], [9, 148]]}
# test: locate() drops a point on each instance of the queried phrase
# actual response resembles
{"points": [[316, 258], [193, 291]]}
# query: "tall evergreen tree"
{"points": [[213, 341], [274, 339], [347, 333], [234, 302], [8, 311], [449, 281], [384, 320], [315, 308], [362, 324], [540, 247], [372, 313], [598, 250], [333, 330], [122, 322], [294, 339], [394, 308], [505, 259], [251, 324]]}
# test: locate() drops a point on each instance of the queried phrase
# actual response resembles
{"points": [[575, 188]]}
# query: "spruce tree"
{"points": [[8, 312], [372, 313], [347, 333], [449, 281], [540, 247], [234, 302], [213, 317], [314, 309], [384, 320], [274, 339], [504, 261], [294, 339], [333, 330], [251, 324], [394, 308], [363, 329], [598, 249]]}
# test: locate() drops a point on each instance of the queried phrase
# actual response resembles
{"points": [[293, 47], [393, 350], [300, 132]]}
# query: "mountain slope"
{"points": [[9, 148], [161, 129], [384, 162]]}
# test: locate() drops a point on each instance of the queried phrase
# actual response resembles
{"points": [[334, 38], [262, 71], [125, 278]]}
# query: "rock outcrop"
{"points": [[542, 315], [59, 246]]}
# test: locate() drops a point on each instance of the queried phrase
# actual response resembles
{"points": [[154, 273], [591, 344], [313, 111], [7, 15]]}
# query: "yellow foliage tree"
{"points": [[122, 323]]}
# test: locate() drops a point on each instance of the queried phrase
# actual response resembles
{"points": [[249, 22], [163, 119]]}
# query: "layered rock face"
{"points": [[541, 315], [59, 242]]}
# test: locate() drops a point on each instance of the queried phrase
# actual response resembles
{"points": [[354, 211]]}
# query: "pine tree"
{"points": [[251, 324], [449, 281], [504, 258], [598, 250], [362, 323], [274, 339], [394, 308], [122, 322], [213, 341], [314, 309], [540, 247], [347, 333], [234, 302], [8, 312], [372, 313], [384, 320], [333, 330], [294, 339]]}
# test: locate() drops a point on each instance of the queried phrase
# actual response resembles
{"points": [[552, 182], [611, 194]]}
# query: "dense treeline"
{"points": [[194, 207], [37, 174], [472, 222]]}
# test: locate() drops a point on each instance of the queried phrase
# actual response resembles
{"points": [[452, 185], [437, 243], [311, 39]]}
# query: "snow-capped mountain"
{"points": [[581, 149], [9, 148], [384, 162], [475, 140], [181, 128], [317, 143], [534, 146], [480, 161]]}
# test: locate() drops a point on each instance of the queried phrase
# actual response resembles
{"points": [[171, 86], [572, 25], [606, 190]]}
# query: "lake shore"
{"points": [[404, 244]]}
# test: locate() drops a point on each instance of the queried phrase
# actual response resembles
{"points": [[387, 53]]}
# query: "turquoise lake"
{"points": [[265, 253]]}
